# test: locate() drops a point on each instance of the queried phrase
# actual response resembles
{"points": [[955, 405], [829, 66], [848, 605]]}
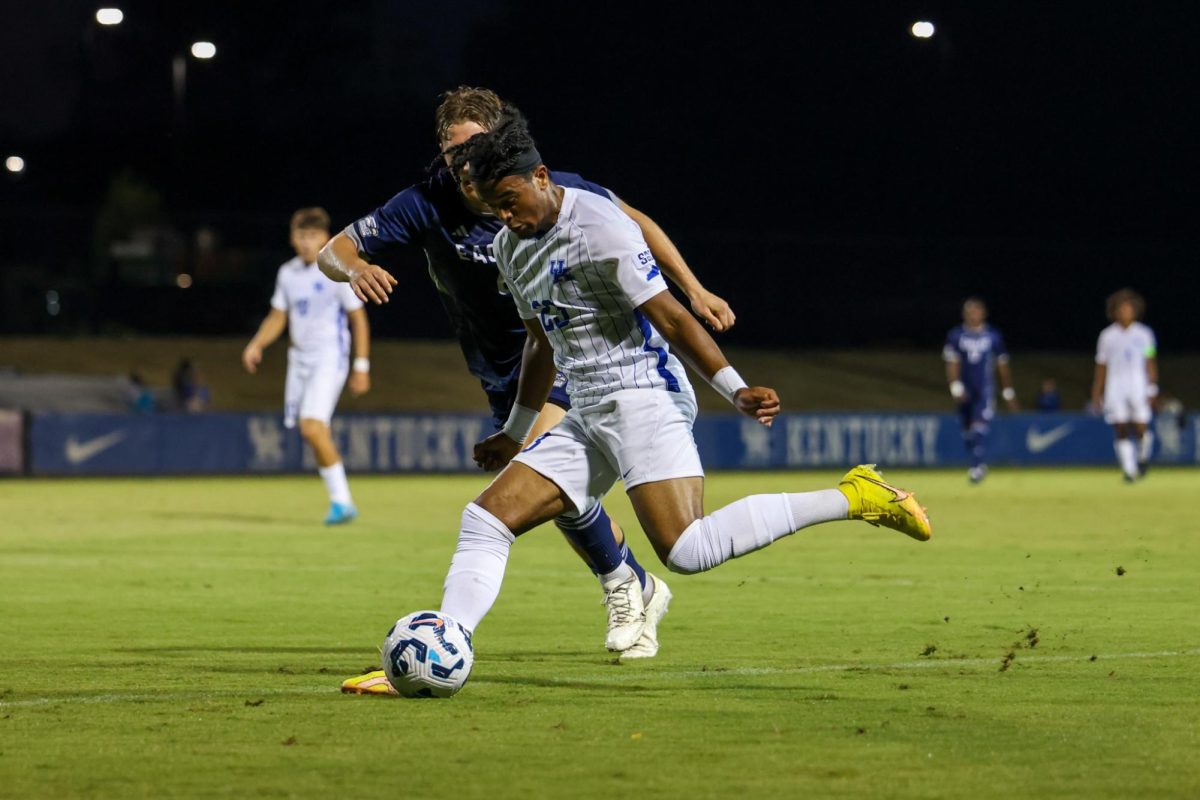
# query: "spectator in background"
{"points": [[191, 392], [141, 396], [1048, 398]]}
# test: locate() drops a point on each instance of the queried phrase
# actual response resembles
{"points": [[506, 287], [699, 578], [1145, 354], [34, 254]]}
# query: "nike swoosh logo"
{"points": [[77, 452], [1037, 441], [901, 495], [626, 475]]}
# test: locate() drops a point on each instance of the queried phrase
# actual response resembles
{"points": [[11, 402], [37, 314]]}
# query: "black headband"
{"points": [[523, 164]]}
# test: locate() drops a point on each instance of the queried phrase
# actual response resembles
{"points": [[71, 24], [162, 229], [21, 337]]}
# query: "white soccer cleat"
{"points": [[647, 645], [626, 613]]}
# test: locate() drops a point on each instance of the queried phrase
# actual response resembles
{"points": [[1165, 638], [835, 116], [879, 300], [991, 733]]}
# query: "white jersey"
{"points": [[583, 280], [316, 308], [1124, 352]]}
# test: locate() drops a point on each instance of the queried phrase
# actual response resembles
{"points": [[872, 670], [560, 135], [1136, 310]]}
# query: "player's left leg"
{"points": [[1141, 415], [976, 416], [664, 480], [321, 393]]}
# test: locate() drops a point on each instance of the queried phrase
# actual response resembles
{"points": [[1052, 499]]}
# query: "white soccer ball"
{"points": [[427, 654]]}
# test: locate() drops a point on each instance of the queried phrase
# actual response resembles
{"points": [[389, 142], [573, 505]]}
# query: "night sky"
{"points": [[814, 161]]}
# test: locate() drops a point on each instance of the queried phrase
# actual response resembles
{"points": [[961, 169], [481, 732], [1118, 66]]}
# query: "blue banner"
{"points": [[169, 444]]}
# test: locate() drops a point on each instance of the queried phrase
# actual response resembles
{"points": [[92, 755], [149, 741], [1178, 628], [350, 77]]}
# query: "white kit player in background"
{"points": [[316, 310], [1126, 382]]}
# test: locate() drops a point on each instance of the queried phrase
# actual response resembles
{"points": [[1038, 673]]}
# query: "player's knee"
{"points": [[313, 429], [687, 556]]}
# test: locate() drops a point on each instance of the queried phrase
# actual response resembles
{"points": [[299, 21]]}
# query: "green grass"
{"points": [[187, 637]]}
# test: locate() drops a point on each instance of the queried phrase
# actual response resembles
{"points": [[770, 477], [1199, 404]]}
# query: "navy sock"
{"points": [[627, 554], [592, 532], [976, 447]]}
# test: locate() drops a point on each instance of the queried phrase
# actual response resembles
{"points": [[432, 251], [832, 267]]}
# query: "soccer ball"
{"points": [[427, 654]]}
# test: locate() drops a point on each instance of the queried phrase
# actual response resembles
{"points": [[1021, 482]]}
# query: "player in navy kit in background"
{"points": [[455, 231], [974, 354]]}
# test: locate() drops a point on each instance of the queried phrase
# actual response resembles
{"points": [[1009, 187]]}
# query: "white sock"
{"points": [[477, 569], [336, 484], [751, 524], [622, 573], [1146, 446], [1127, 457]]}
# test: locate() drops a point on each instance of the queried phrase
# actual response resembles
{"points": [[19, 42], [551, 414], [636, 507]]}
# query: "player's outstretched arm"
{"points": [[698, 350], [1152, 378], [533, 387], [272, 327], [339, 260], [706, 305], [360, 374]]}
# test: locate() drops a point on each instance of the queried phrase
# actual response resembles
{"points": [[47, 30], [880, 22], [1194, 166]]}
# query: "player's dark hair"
{"points": [[467, 104], [507, 149], [1125, 295], [312, 218]]}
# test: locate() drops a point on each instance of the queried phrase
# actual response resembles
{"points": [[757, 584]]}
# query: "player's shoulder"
{"points": [[1143, 328], [955, 332], [293, 264], [597, 216]]}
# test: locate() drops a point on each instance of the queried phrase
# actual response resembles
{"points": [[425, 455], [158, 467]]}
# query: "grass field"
{"points": [[187, 637]]}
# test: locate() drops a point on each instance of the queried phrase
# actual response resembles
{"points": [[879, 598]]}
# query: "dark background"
{"points": [[839, 181]]}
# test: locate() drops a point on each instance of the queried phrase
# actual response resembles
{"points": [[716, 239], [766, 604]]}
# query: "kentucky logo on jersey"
{"points": [[559, 272]]}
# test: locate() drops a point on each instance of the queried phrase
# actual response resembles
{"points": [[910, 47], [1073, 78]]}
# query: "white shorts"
{"points": [[637, 435], [313, 387], [1126, 404]]}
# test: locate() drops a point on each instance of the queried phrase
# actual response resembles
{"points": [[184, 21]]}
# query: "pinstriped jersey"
{"points": [[584, 280], [316, 308]]}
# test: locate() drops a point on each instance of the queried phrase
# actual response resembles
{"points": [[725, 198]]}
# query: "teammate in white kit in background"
{"points": [[596, 307], [315, 310], [1126, 382]]}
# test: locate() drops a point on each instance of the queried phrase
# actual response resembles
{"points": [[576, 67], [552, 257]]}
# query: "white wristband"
{"points": [[957, 390], [1152, 390], [519, 424], [362, 364], [727, 382], [1009, 393]]}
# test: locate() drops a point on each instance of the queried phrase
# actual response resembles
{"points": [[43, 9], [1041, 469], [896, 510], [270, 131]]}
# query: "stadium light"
{"points": [[109, 16], [14, 164], [204, 50], [922, 29]]}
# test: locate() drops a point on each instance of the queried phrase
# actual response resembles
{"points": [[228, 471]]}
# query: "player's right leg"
{"points": [[322, 388], [1118, 412], [518, 500]]}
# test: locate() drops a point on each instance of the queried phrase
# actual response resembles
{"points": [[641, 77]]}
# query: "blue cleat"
{"points": [[340, 514]]}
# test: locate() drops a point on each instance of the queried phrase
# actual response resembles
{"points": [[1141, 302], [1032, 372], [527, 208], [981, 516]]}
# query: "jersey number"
{"points": [[553, 317]]}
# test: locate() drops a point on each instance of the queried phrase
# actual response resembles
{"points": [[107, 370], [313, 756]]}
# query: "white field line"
{"points": [[930, 663]]}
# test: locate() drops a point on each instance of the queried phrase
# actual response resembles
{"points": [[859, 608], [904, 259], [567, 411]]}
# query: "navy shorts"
{"points": [[501, 401]]}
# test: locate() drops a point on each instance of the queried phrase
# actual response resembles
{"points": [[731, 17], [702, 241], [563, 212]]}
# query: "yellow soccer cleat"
{"points": [[371, 682], [880, 503]]}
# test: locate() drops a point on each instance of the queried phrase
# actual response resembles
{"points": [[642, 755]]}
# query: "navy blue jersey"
{"points": [[458, 248], [977, 352]]}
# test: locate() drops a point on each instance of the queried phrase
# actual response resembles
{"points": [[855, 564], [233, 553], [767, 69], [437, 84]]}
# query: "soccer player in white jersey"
{"points": [[596, 307], [315, 311], [1126, 381]]}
